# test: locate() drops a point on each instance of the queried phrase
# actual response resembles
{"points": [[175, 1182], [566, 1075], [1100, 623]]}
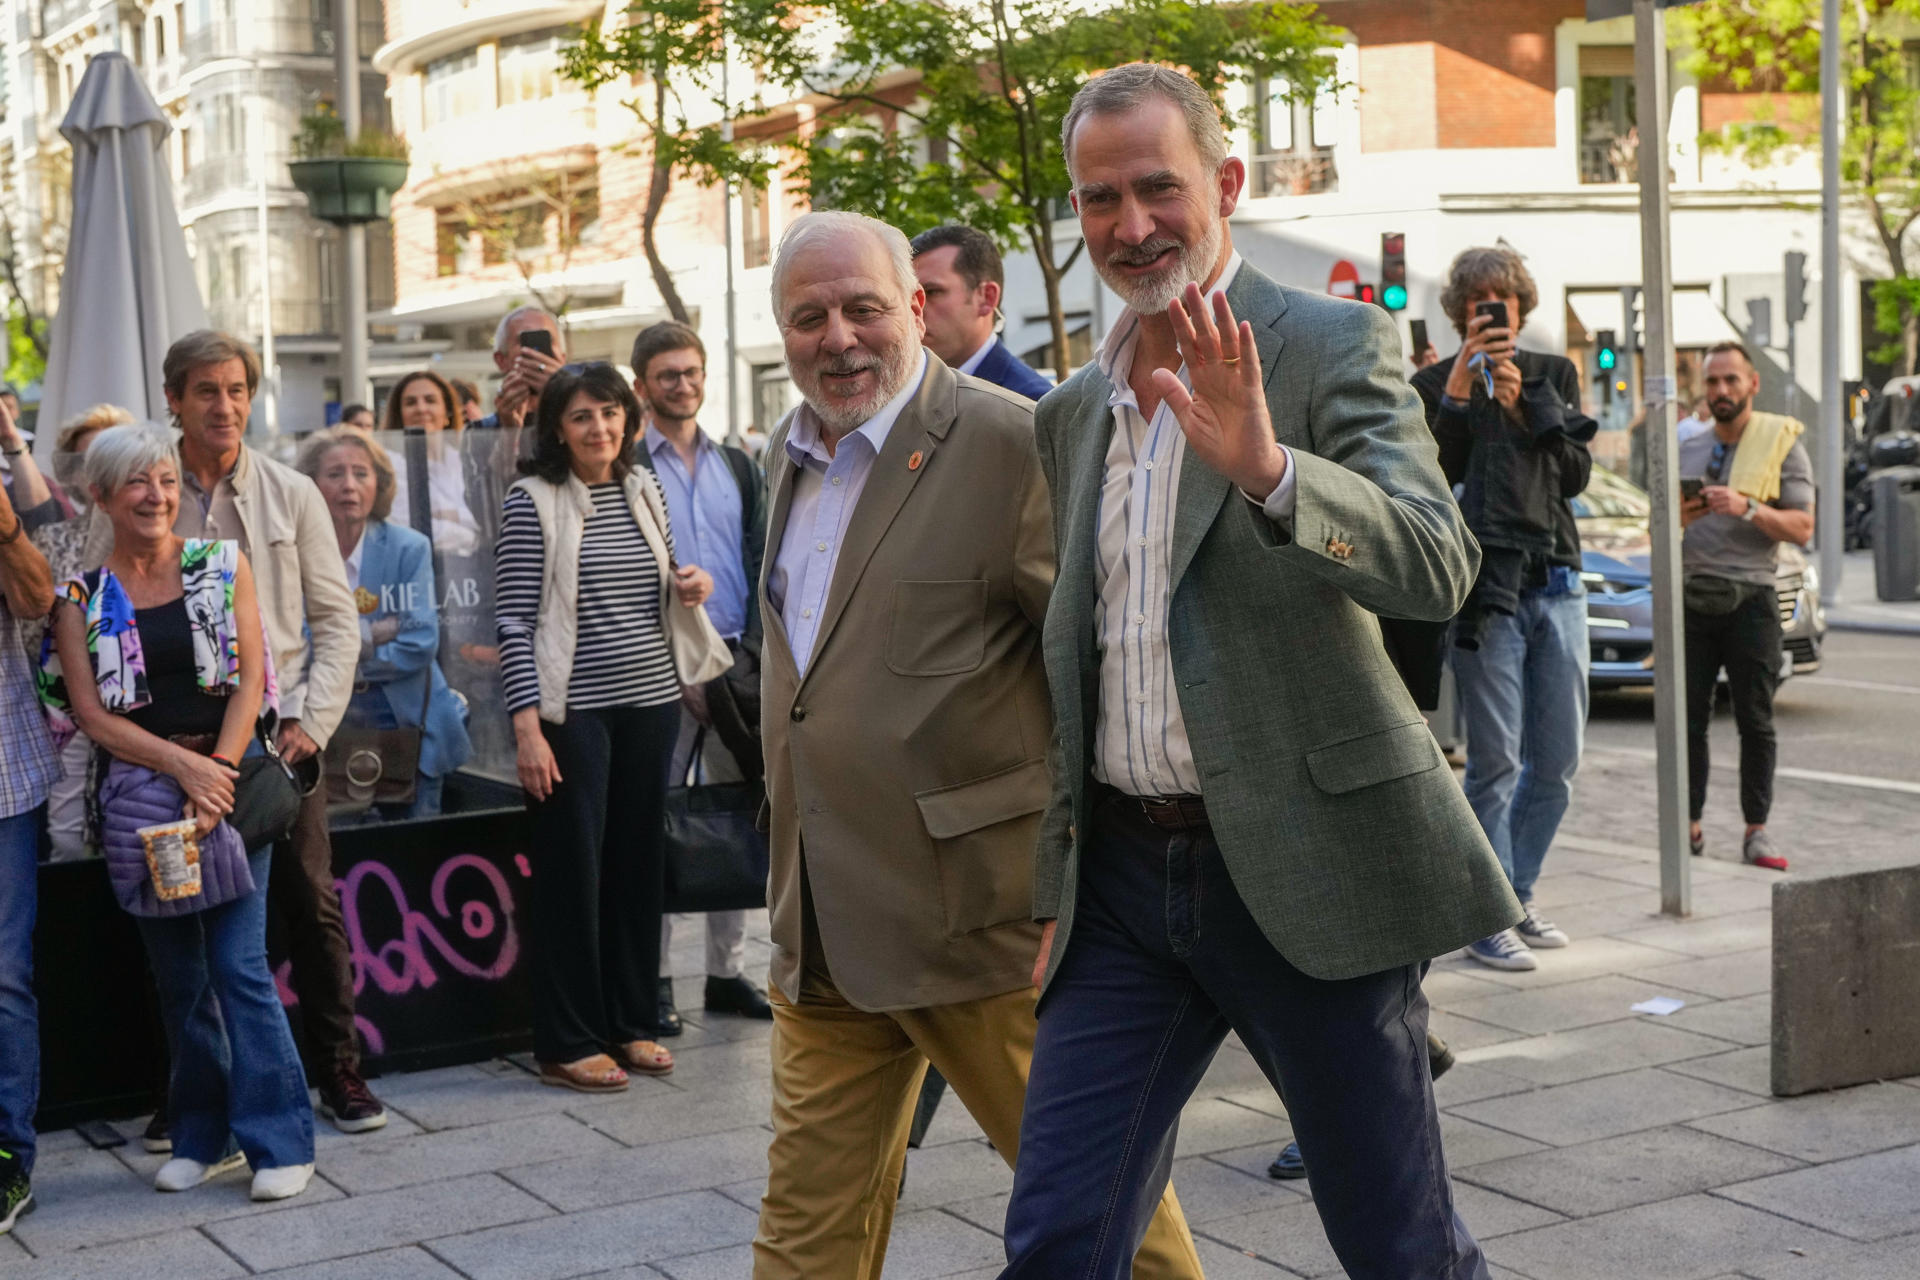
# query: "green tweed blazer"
{"points": [[1337, 816]]}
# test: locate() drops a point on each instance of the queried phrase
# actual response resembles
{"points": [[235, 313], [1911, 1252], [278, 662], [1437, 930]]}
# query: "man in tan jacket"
{"points": [[910, 557]]}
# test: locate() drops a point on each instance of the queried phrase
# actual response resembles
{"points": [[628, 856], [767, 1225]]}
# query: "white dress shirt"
{"points": [[825, 494], [972, 362], [354, 559], [1140, 736]]}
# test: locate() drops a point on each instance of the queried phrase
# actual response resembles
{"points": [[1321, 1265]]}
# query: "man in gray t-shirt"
{"points": [[1728, 550]]}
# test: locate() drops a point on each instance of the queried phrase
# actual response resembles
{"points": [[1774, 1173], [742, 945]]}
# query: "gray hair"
{"points": [[1127, 88], [506, 322], [204, 347], [825, 223], [120, 453]]}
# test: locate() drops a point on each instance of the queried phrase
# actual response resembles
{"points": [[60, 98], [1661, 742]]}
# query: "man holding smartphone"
{"points": [[527, 348], [1511, 431]]}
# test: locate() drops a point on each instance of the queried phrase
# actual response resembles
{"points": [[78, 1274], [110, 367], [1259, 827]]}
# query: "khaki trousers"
{"points": [[844, 1086]]}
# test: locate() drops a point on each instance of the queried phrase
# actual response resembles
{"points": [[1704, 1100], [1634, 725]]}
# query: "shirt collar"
{"points": [[359, 551], [657, 440], [975, 360], [803, 441], [1115, 356]]}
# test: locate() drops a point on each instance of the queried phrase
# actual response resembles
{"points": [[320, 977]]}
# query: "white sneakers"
{"points": [[182, 1174], [282, 1183]]}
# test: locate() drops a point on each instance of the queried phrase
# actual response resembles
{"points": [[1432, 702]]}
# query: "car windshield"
{"points": [[1609, 495]]}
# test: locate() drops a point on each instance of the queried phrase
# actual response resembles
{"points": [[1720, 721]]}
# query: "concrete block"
{"points": [[638, 1173], [1827, 1126], [1599, 1050], [1618, 1173], [187, 1255], [1866, 1198], [1605, 1107], [1692, 1238], [383, 1220], [600, 1239], [1846, 965], [383, 1163]]}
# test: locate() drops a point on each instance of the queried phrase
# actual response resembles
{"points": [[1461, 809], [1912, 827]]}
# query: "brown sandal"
{"points": [[595, 1074], [644, 1057]]}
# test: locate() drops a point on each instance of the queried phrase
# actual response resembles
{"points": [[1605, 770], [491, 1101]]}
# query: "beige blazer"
{"points": [[910, 763]]}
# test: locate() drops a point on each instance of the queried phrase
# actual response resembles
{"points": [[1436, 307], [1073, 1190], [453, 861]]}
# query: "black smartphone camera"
{"points": [[1419, 331], [537, 340], [1498, 310], [1690, 487]]}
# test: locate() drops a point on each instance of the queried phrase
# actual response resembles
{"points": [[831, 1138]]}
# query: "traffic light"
{"points": [[1367, 293], [1796, 287], [1393, 271], [1608, 355]]}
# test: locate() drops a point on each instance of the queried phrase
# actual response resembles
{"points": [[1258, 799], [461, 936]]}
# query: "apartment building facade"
{"points": [[234, 76]]}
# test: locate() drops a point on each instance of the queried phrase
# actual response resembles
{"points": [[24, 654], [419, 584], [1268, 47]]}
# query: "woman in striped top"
{"points": [[585, 563]]}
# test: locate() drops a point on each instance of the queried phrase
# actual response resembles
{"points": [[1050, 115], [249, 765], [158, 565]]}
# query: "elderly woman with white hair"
{"points": [[169, 631]]}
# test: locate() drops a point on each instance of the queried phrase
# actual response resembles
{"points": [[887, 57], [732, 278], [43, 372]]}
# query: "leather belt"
{"points": [[201, 744], [1170, 813]]}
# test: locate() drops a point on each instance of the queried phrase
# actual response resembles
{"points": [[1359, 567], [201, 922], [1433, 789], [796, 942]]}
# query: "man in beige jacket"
{"points": [[910, 557]]}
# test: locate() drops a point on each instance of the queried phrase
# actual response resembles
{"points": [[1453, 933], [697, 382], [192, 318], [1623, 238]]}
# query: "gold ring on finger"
{"points": [[1229, 359]]}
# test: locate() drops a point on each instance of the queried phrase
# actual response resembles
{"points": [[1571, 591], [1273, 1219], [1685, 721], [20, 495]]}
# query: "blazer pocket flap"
{"points": [[998, 797], [1373, 758]]}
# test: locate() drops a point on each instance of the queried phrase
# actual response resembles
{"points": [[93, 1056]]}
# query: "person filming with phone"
{"points": [[1512, 432]]}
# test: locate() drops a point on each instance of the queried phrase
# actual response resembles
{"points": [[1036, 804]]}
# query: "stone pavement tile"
{"points": [[1289, 1236], [731, 1263], [928, 1243], [1615, 915], [382, 1163], [1210, 1190], [1823, 1126], [327, 1138], [1260, 1097], [1467, 1143], [952, 1123], [1562, 1007], [1221, 1262], [12, 1250], [1868, 1197], [1723, 897], [1714, 936], [952, 1173], [1570, 888], [989, 1213], [1208, 1125], [580, 1244], [1727, 977], [177, 1255], [70, 1140], [1253, 1161], [459, 1096], [384, 1219], [1489, 1214], [639, 1173], [1472, 1081], [409, 1263], [1605, 1106], [1588, 957], [1462, 1033], [88, 1198], [1599, 1050], [1232, 1068], [1455, 982], [1691, 1238], [1838, 1260], [1750, 1069], [1617, 1173], [1748, 1020], [638, 1119], [748, 1191]]}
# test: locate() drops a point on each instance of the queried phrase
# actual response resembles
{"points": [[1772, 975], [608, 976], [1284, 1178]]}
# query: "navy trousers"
{"points": [[1163, 960]]}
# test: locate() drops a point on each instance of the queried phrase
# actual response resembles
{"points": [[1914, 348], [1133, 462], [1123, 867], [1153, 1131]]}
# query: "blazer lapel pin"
{"points": [[913, 463]]}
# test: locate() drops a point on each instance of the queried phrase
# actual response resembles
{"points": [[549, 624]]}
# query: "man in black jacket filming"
{"points": [[1513, 442]]}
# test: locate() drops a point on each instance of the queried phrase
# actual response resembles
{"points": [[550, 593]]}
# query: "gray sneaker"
{"points": [[1758, 851]]}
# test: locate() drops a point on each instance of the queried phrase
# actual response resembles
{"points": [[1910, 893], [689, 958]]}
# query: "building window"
{"points": [[772, 396], [529, 65], [453, 87], [1609, 142], [756, 226], [1292, 142]]}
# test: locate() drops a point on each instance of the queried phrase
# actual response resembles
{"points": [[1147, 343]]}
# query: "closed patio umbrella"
{"points": [[127, 289]]}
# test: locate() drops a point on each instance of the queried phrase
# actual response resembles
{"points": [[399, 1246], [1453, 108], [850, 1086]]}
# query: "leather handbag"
{"points": [[716, 857], [365, 767], [266, 798]]}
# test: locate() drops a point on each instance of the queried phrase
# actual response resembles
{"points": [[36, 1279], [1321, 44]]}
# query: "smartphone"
{"points": [[537, 340], [1498, 310], [1419, 329], [1690, 487]]}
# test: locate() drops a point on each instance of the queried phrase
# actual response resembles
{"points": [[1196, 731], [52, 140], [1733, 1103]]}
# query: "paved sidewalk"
{"points": [[1860, 608], [1586, 1142]]}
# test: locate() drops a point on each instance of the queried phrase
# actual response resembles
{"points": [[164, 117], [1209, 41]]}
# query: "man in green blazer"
{"points": [[1252, 829]]}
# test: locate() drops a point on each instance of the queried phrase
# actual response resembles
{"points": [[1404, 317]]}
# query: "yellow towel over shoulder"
{"points": [[1763, 447]]}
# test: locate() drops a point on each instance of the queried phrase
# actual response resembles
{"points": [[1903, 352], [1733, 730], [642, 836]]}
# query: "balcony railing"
{"points": [[291, 316], [244, 37], [212, 176], [1610, 157], [1295, 173]]}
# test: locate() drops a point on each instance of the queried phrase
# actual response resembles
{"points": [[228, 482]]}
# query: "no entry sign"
{"points": [[1344, 280]]}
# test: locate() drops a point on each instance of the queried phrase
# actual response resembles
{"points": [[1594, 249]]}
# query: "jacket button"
{"points": [[797, 714]]}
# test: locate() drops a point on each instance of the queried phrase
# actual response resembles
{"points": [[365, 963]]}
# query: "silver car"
{"points": [[1616, 551]]}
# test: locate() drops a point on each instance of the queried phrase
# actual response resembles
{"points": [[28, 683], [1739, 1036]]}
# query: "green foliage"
{"points": [[26, 363], [1894, 303], [323, 136]]}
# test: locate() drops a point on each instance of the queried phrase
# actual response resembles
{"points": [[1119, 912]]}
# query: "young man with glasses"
{"points": [[1757, 493]]}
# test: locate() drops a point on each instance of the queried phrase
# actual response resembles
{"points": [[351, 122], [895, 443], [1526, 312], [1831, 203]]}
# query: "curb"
{"points": [[1869, 627]]}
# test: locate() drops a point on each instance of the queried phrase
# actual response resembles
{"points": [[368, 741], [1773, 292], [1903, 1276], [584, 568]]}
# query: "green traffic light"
{"points": [[1607, 357], [1394, 297]]}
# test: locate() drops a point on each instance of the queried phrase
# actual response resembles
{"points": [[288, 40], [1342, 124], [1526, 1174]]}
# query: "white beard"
{"points": [[841, 416], [1154, 294]]}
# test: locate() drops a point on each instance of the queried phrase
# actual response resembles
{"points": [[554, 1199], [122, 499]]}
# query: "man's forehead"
{"points": [[229, 370], [1112, 146], [533, 320], [936, 262]]}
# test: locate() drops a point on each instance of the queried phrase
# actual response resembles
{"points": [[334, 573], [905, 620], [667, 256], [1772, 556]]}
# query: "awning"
{"points": [[1697, 322]]}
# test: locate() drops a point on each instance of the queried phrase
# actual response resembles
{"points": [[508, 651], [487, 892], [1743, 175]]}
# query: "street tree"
{"points": [[533, 220], [932, 111], [1774, 46]]}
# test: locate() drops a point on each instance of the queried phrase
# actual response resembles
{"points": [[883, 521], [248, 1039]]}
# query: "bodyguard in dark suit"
{"points": [[964, 279], [1252, 831]]}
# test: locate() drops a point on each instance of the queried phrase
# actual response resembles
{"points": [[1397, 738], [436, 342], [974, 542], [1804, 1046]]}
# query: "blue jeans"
{"points": [[19, 1013], [1162, 961], [237, 1078], [1524, 696]]}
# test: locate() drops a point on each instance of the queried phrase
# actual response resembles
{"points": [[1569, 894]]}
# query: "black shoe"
{"points": [[737, 995], [158, 1139], [668, 1023], [1439, 1057], [348, 1102], [16, 1193], [1288, 1165]]}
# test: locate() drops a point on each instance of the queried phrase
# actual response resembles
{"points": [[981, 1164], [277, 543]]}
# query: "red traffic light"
{"points": [[1367, 293], [1393, 257]]}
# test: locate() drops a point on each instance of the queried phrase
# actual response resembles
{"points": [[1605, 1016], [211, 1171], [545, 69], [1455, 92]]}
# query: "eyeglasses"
{"points": [[673, 377]]}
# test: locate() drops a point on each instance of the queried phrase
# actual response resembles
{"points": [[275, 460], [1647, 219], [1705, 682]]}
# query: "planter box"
{"points": [[348, 189]]}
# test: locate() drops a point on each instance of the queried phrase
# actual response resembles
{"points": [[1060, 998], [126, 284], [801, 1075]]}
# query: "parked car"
{"points": [[1616, 559]]}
